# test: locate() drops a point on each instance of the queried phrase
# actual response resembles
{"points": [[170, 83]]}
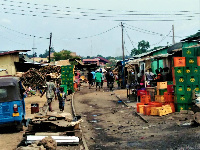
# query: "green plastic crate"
{"points": [[191, 61], [199, 79], [69, 75], [181, 80], [178, 71], [188, 52], [169, 82], [188, 106], [195, 70], [196, 88], [161, 91], [187, 70], [180, 89], [188, 90], [179, 107], [182, 98], [70, 79], [197, 49], [192, 80]]}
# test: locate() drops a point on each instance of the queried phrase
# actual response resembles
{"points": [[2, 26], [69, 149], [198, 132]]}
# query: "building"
{"points": [[8, 60], [40, 60], [100, 61], [91, 61]]}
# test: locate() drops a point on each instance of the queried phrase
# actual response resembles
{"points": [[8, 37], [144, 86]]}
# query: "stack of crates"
{"points": [[186, 77], [67, 76], [161, 89]]}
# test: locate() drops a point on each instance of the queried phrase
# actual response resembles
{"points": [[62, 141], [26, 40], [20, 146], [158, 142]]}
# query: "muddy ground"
{"points": [[111, 125]]}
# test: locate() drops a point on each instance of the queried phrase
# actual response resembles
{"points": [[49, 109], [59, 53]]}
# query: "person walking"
{"points": [[90, 79], [102, 79], [62, 96], [98, 77], [111, 80], [50, 90], [93, 79], [107, 78]]}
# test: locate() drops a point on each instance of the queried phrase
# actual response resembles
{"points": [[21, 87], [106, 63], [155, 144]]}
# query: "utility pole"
{"points": [[50, 48], [123, 65], [173, 40], [33, 49]]}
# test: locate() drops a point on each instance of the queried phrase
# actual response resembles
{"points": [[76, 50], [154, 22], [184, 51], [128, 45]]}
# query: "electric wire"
{"points": [[67, 13], [129, 38], [148, 31], [162, 39]]}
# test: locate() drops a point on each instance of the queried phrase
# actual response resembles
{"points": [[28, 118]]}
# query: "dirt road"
{"points": [[110, 125]]}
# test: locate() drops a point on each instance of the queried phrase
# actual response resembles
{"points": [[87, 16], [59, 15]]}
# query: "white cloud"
{"points": [[4, 20]]}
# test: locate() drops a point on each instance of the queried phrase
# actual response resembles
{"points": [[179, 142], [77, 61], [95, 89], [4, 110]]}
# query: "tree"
{"points": [[143, 46], [62, 55], [46, 53], [99, 55], [135, 51]]}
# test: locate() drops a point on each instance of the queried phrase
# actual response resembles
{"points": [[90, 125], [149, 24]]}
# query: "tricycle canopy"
{"points": [[10, 89]]}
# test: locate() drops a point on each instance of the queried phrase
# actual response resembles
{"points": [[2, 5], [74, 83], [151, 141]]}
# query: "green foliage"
{"points": [[62, 55], [143, 46], [46, 53], [30, 56]]}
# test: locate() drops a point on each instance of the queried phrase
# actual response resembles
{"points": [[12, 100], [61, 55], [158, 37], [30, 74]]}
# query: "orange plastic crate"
{"points": [[161, 85], [198, 60], [168, 97], [179, 62], [145, 99], [147, 109], [159, 98], [141, 109], [138, 104]]}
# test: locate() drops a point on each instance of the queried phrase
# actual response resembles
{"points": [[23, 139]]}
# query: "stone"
{"points": [[48, 143], [190, 112], [183, 111]]}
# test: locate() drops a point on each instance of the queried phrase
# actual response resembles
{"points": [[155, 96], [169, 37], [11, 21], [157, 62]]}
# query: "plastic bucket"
{"points": [[34, 108]]}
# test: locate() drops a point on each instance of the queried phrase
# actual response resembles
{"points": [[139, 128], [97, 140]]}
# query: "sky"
{"points": [[92, 27]]}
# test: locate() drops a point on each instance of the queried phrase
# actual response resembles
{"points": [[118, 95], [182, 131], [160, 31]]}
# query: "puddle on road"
{"points": [[132, 144], [94, 121]]}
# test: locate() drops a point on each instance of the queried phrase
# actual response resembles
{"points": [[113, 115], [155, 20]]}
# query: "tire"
{"points": [[19, 127]]}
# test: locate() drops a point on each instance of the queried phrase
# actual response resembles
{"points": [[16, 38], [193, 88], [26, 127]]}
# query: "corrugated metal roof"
{"points": [[195, 36], [12, 52], [174, 47], [149, 52]]}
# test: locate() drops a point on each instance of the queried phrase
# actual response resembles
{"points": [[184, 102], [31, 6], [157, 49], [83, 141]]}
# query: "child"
{"points": [[62, 96]]}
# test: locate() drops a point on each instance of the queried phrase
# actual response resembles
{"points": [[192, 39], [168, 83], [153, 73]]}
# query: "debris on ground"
{"points": [[49, 143], [31, 147]]}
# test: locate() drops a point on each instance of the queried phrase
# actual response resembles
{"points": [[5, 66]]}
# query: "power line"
{"points": [[84, 14], [178, 13], [148, 31], [29, 35], [94, 34], [129, 38], [159, 34], [162, 39]]}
